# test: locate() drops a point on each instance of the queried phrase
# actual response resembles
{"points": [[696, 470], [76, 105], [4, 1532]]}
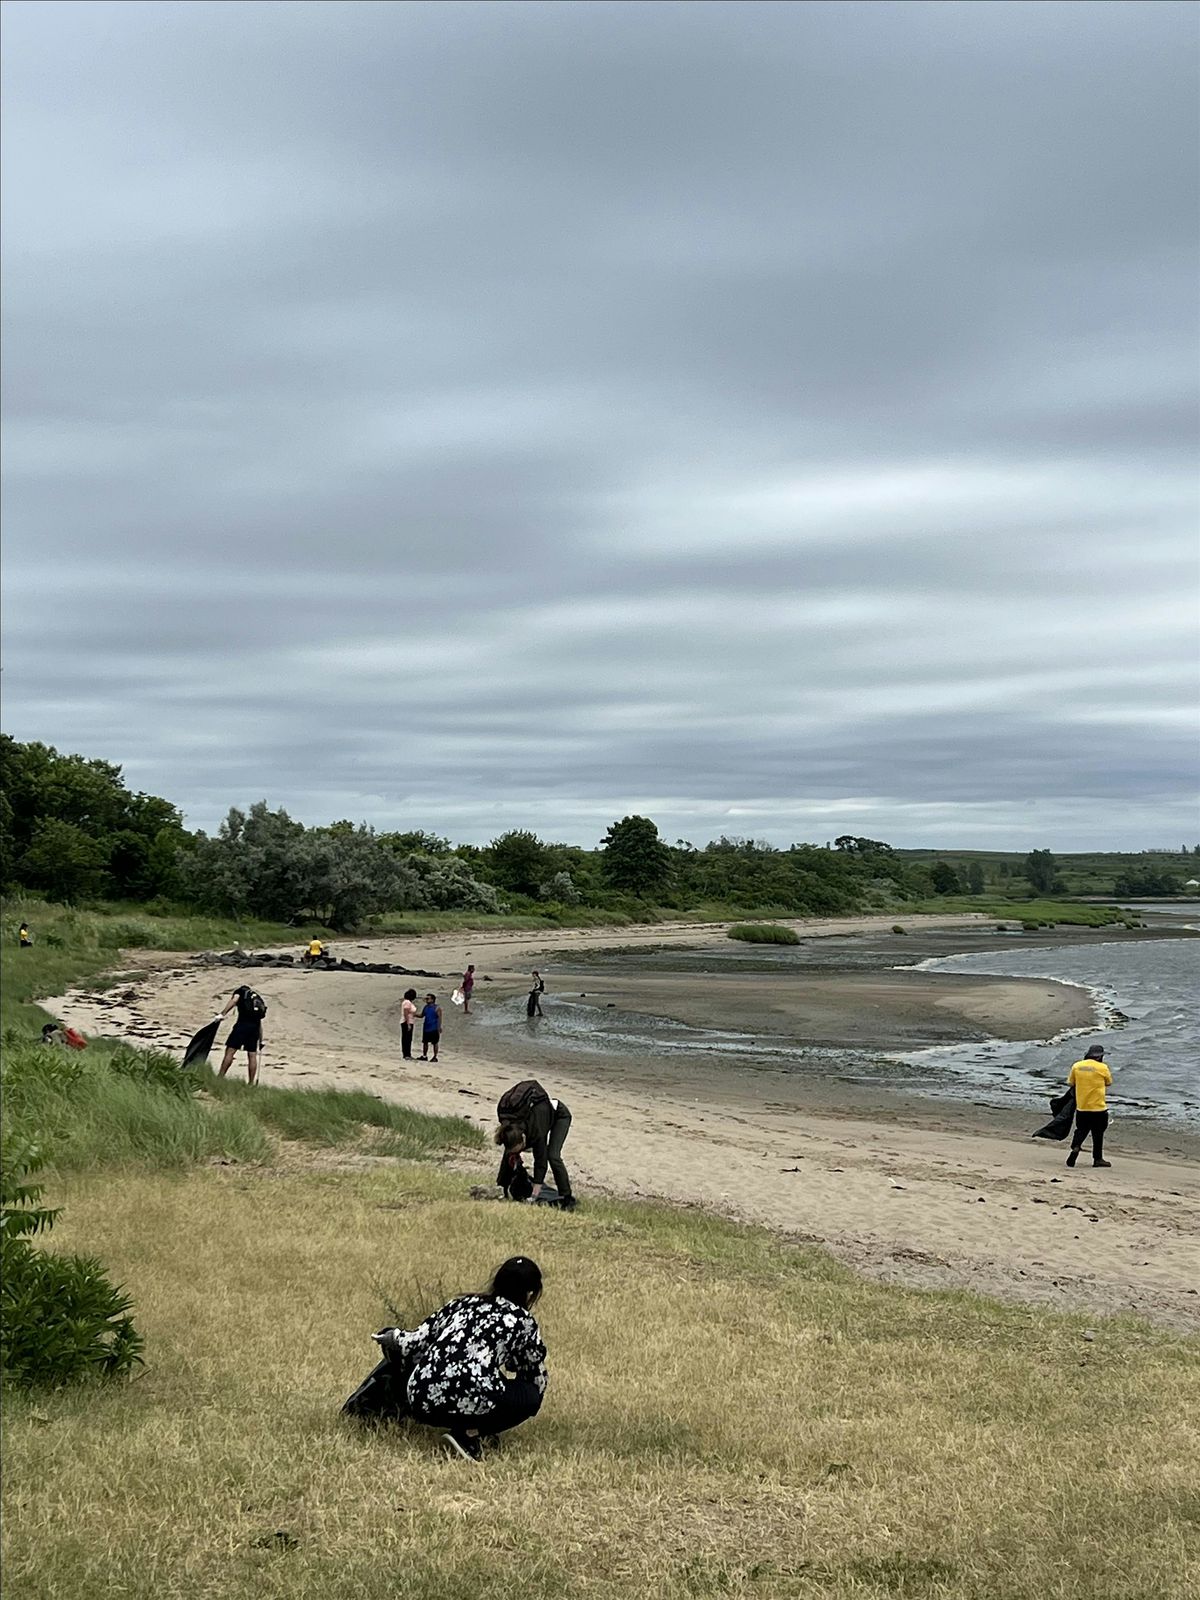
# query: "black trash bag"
{"points": [[382, 1396], [1059, 1126], [518, 1185], [201, 1043]]}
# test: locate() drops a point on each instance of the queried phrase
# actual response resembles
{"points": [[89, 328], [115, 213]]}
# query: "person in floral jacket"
{"points": [[477, 1367]]}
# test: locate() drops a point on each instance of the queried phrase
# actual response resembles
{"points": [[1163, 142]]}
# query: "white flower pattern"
{"points": [[462, 1355]]}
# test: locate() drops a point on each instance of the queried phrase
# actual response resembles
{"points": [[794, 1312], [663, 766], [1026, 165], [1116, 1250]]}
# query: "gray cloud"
{"points": [[781, 418]]}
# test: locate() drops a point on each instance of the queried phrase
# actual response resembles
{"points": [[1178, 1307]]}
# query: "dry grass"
{"points": [[728, 1416]]}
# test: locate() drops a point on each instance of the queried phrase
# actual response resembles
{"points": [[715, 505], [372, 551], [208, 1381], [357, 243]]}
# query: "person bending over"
{"points": [[530, 1120], [1090, 1079], [477, 1367]]}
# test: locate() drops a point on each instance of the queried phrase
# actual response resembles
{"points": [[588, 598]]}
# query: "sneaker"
{"points": [[468, 1447], [1073, 1158], [1102, 1163]]}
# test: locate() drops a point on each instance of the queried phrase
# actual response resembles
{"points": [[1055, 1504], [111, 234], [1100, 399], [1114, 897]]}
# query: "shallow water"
{"points": [[1151, 1030], [1145, 992]]}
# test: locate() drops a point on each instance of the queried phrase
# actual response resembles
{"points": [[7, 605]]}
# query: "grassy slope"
{"points": [[1015, 912], [728, 1415]]}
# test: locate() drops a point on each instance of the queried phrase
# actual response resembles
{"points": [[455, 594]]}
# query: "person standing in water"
{"points": [[536, 990], [431, 1027], [408, 1018], [468, 987], [1090, 1079]]}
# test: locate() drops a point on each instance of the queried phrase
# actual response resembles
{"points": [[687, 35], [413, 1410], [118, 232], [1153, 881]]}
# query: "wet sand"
{"points": [[935, 1194]]}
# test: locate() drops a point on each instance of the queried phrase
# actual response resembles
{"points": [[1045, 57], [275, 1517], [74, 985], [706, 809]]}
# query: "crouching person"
{"points": [[477, 1367]]}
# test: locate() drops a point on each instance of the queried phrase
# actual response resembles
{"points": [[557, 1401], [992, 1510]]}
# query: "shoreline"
{"points": [[937, 1194]]}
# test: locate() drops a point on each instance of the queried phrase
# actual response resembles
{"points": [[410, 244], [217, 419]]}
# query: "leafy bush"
{"points": [[896, 928], [61, 1320], [763, 933]]}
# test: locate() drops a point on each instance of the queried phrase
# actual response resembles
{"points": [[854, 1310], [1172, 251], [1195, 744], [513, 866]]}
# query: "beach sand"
{"points": [[934, 1194]]}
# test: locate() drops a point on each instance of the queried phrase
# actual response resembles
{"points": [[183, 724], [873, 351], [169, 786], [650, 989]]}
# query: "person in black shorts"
{"points": [[246, 1033], [431, 1027]]}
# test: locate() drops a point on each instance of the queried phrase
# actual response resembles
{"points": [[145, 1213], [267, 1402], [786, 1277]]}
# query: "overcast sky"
{"points": [[776, 419]]}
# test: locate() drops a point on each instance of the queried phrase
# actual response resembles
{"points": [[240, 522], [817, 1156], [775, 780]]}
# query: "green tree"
{"points": [[63, 861], [518, 860], [634, 857], [944, 878], [975, 882], [1041, 871]]}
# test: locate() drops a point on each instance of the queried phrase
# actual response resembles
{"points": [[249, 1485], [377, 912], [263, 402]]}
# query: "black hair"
{"points": [[1095, 1054], [518, 1280], [410, 994]]}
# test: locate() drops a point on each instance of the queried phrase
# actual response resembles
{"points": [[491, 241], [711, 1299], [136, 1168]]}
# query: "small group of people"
{"points": [[533, 1006], [431, 1025], [476, 1368]]}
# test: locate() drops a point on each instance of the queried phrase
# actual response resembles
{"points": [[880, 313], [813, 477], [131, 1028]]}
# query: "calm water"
{"points": [[1147, 994]]}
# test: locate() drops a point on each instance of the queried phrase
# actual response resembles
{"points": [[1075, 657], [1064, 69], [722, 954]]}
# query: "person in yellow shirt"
{"points": [[1090, 1079], [314, 952]]}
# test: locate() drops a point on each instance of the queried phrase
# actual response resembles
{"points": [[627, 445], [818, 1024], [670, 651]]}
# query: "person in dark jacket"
{"points": [[543, 1129], [246, 1033], [477, 1367], [537, 988]]}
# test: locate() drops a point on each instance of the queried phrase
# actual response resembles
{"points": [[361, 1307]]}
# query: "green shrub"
{"points": [[896, 928], [1031, 927], [61, 1320], [763, 933]]}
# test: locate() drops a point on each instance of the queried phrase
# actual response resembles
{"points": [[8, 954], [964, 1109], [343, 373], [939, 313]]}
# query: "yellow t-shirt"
{"points": [[316, 948], [1089, 1079]]}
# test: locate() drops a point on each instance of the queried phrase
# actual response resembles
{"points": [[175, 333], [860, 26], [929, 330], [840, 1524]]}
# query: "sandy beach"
{"points": [[944, 1195]]}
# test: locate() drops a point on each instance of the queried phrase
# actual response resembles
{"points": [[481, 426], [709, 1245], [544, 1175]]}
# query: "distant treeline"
{"points": [[71, 829]]}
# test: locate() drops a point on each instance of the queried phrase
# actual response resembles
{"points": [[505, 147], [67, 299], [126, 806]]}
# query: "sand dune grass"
{"points": [[728, 1416]]}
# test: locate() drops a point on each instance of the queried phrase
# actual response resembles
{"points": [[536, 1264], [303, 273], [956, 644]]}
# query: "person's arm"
{"points": [[527, 1354], [439, 1018], [229, 1005]]}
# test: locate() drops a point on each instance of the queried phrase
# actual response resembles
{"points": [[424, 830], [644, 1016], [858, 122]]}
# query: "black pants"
{"points": [[534, 1007], [1093, 1122], [557, 1137], [522, 1400], [406, 1033]]}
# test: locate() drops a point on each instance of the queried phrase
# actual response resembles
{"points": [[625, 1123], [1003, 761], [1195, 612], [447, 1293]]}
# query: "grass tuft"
{"points": [[763, 933]]}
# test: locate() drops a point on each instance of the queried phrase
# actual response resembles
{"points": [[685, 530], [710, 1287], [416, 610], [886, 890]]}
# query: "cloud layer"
{"points": [[781, 419]]}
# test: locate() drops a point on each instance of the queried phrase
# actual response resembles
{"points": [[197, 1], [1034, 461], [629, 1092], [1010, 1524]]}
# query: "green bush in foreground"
{"points": [[763, 933], [61, 1320]]}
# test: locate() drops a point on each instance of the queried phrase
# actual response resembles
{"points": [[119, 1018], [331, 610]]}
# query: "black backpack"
{"points": [[258, 1006], [515, 1104]]}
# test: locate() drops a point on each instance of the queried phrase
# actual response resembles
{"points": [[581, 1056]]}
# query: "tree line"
{"points": [[71, 829]]}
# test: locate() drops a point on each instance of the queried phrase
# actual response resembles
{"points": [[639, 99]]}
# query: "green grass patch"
{"points": [[763, 933], [728, 1415], [342, 1116], [1045, 913]]}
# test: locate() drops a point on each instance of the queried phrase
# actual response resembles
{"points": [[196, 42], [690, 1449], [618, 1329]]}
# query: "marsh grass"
{"points": [[763, 933], [728, 1415]]}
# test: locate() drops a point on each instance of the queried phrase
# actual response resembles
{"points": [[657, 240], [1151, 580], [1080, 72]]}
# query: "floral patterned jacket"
{"points": [[463, 1354]]}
